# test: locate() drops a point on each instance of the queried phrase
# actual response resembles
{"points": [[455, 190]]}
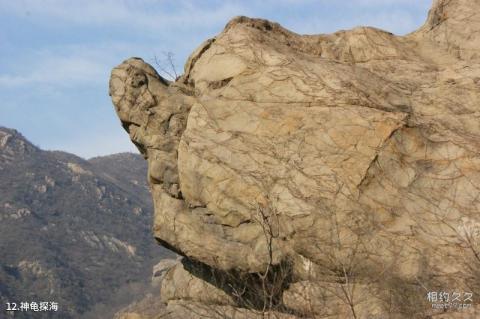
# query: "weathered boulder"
{"points": [[352, 159]]}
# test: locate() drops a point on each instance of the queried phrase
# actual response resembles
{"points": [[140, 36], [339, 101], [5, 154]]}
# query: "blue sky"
{"points": [[56, 56]]}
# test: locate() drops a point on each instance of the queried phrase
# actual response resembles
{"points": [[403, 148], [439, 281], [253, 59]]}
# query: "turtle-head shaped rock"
{"points": [[154, 113], [349, 154]]}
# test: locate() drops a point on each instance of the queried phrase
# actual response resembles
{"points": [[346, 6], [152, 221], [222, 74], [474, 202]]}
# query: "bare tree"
{"points": [[166, 65]]}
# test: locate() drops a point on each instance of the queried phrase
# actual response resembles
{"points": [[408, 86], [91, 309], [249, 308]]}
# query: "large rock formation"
{"points": [[319, 175]]}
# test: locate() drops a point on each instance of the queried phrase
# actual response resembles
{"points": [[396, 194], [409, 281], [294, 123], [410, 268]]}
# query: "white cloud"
{"points": [[130, 14], [58, 71], [64, 66], [90, 64]]}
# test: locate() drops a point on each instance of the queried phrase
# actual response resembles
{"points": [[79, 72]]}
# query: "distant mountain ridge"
{"points": [[72, 230]]}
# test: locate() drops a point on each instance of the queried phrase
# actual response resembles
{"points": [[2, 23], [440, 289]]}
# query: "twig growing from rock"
{"points": [[167, 65]]}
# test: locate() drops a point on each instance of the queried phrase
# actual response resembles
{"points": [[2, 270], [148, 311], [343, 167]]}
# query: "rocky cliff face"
{"points": [[322, 175]]}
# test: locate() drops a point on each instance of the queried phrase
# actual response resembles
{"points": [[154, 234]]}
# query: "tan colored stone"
{"points": [[179, 284], [355, 152]]}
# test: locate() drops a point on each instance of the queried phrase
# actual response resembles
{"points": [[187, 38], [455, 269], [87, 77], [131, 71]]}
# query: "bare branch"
{"points": [[166, 65]]}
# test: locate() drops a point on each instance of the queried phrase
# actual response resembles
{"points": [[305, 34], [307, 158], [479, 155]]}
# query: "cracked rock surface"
{"points": [[352, 157]]}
